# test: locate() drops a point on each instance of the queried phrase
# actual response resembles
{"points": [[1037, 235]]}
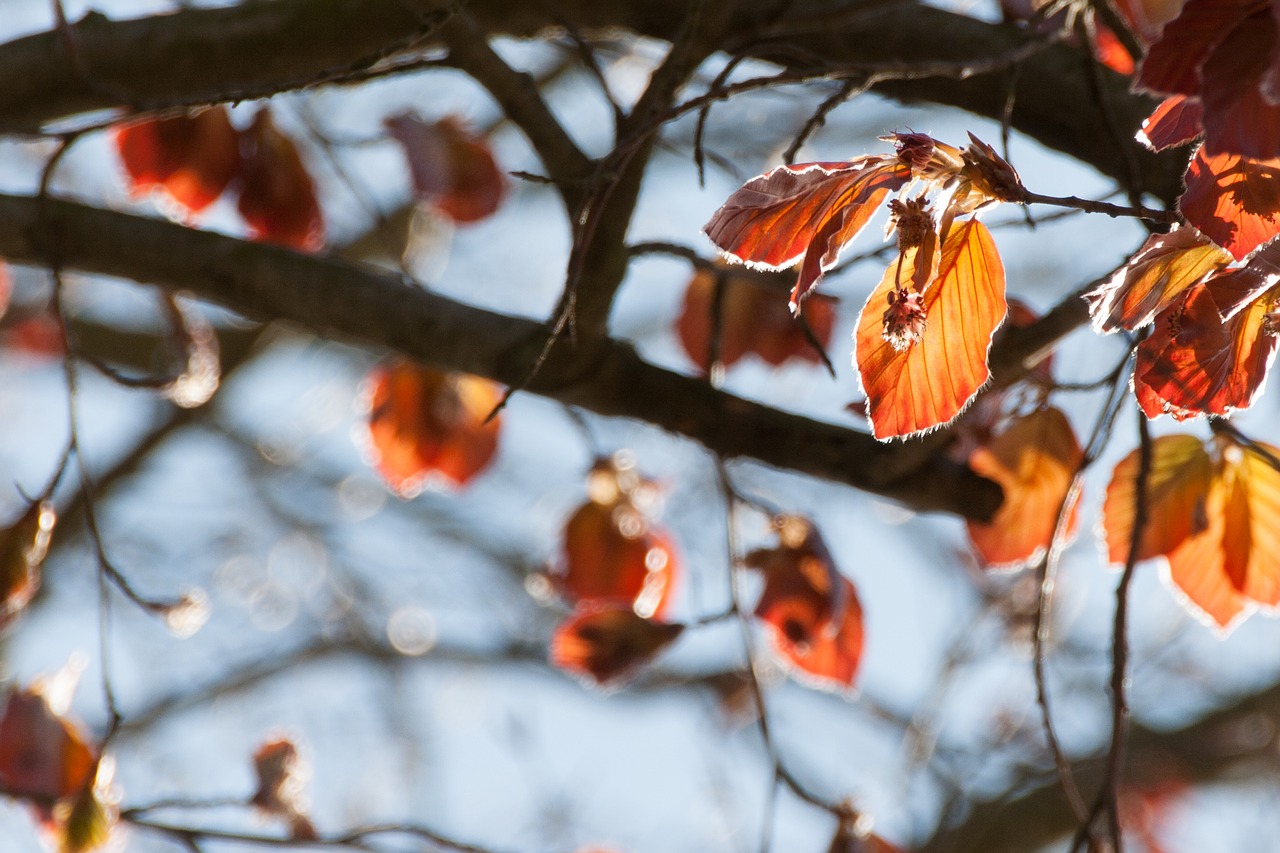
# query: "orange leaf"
{"points": [[611, 553], [1034, 460], [1177, 121], [1165, 267], [753, 319], [931, 380], [426, 423], [811, 611], [1233, 200], [277, 195], [23, 546], [608, 644], [452, 168], [1220, 528], [1210, 352], [192, 158], [808, 212], [1178, 482]]}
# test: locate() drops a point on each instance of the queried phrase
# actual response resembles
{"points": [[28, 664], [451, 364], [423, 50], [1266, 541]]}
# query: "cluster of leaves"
{"points": [[194, 159]]}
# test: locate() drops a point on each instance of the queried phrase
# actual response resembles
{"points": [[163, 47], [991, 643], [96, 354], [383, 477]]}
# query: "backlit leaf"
{"points": [[931, 380], [1233, 200], [809, 211], [611, 551], [1215, 514], [1177, 121], [1165, 267], [90, 818], [1178, 482], [1034, 460], [811, 611], [277, 196], [754, 319], [1195, 362], [425, 423], [452, 168], [281, 792], [609, 643], [191, 158]]}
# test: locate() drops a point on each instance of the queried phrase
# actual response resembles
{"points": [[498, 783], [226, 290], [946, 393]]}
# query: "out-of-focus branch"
{"points": [[203, 55], [374, 308]]}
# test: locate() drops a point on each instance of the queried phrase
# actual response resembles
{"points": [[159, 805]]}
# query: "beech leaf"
{"points": [[929, 381], [277, 195], [1177, 121], [1153, 279], [191, 158], [452, 168], [607, 644], [808, 211], [1233, 200], [1034, 460]]}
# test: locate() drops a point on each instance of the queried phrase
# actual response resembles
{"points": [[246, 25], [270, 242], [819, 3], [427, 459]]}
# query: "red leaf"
{"points": [[39, 335], [811, 611], [1210, 352], [1111, 51], [753, 319], [608, 644], [452, 168], [425, 423], [1034, 460], [1173, 64], [808, 211], [1163, 269], [611, 552], [277, 196], [43, 756], [192, 158], [1177, 121], [1237, 119], [930, 380], [1234, 200], [23, 546]]}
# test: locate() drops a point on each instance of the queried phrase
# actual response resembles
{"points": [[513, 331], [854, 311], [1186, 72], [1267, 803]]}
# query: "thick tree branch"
{"points": [[376, 308], [204, 55]]}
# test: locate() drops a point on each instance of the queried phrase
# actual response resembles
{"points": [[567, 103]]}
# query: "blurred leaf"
{"points": [[44, 757], [611, 552], [282, 776], [811, 611], [277, 195], [754, 320], [453, 169], [424, 422], [191, 158], [1034, 460], [608, 644], [23, 546]]}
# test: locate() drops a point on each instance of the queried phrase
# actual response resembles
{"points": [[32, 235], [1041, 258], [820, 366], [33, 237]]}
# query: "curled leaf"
{"points": [[811, 611], [277, 196], [452, 168], [1163, 269], [925, 380], [1034, 460], [809, 211], [425, 423], [609, 643]]}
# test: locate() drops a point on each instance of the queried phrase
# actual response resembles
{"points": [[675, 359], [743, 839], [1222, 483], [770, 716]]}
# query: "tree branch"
{"points": [[339, 299], [200, 56]]}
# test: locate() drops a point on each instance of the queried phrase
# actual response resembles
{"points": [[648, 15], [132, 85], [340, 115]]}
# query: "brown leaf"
{"points": [[607, 644], [453, 169], [277, 195], [23, 546]]}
